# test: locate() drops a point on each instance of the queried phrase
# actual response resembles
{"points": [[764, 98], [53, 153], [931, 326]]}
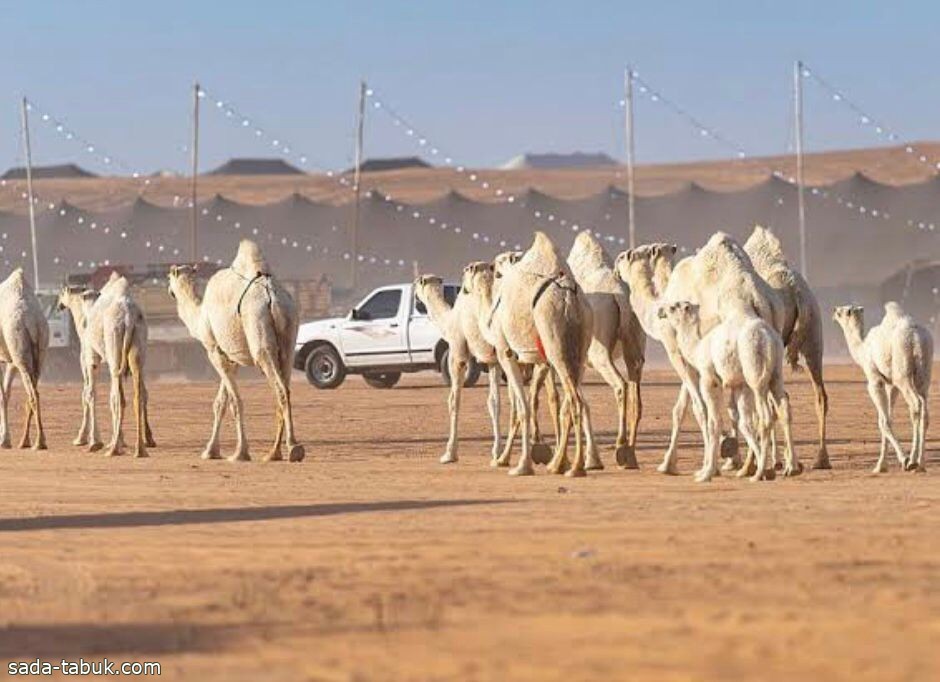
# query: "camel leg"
{"points": [[679, 410], [82, 437], [513, 427], [634, 378], [745, 411], [604, 364], [117, 413], [227, 371], [148, 434], [32, 409], [458, 366], [6, 387], [916, 406], [792, 464], [212, 450], [551, 393], [541, 376], [729, 441], [922, 427], [710, 389], [577, 415], [560, 463], [524, 467], [492, 406], [137, 376], [881, 466], [881, 402], [814, 365]]}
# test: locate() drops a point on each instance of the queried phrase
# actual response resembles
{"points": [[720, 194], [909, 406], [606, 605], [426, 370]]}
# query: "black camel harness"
{"points": [[258, 276], [549, 280]]}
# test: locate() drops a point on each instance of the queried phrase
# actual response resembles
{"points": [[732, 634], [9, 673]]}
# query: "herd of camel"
{"points": [[728, 316]]}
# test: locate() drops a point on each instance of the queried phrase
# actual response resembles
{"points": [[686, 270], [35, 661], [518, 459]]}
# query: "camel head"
{"points": [[504, 261], [425, 284], [181, 277], [635, 265], [71, 294], [477, 276], [848, 316], [662, 250]]}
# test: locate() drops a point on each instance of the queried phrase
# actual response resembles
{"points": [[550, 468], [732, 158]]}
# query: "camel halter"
{"points": [[260, 275], [549, 280]]}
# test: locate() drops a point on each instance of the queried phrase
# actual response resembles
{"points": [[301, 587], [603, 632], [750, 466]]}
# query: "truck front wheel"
{"points": [[324, 368]]}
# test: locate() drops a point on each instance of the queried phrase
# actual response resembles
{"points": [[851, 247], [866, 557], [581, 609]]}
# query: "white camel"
{"points": [[459, 327], [721, 279], [24, 340], [543, 317], [744, 356], [616, 333], [111, 327], [481, 281], [896, 355], [244, 318]]}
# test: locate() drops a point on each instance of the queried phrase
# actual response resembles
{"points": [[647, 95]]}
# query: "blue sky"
{"points": [[484, 80]]}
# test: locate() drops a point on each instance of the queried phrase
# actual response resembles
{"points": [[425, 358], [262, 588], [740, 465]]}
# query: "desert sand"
{"points": [[370, 561]]}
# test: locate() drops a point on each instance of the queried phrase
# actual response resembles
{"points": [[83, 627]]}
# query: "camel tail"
{"points": [[126, 343], [806, 335]]}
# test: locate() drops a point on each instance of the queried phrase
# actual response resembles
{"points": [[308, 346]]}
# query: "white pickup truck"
{"points": [[387, 334]]}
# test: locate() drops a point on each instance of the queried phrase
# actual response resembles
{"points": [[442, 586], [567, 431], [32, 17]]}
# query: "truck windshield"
{"points": [[450, 295]]}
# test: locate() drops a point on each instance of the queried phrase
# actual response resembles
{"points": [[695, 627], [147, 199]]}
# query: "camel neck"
{"points": [[645, 302], [688, 338], [188, 307], [438, 307], [855, 340], [77, 308], [661, 275]]}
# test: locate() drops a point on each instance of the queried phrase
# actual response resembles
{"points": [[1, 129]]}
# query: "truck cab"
{"points": [[385, 335]]}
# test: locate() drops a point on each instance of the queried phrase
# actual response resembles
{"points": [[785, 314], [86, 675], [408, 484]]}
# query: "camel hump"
{"points": [[17, 279], [893, 309], [249, 261], [764, 247], [588, 252], [543, 256]]}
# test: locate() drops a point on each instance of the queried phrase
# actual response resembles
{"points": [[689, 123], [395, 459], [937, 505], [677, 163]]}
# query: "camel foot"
{"points": [[626, 457], [730, 464], [594, 465], [576, 473], [792, 470], [240, 457], [523, 468], [41, 445], [669, 468], [81, 440], [448, 458], [113, 451], [273, 456], [499, 462], [25, 443], [540, 453], [296, 453], [151, 443], [94, 447], [704, 475], [920, 469], [210, 454], [6, 444], [748, 470], [765, 475], [141, 453], [559, 466], [908, 465], [822, 459]]}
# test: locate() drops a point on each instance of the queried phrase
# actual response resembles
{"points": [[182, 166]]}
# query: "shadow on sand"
{"points": [[178, 517]]}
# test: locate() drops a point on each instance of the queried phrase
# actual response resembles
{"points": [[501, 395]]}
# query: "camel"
{"points": [[244, 318], [743, 355], [723, 281], [616, 332], [481, 282], [459, 327], [543, 317], [111, 327], [801, 322], [24, 340], [896, 355]]}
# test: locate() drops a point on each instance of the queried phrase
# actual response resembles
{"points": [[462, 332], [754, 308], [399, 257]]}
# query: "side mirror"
{"points": [[354, 314]]}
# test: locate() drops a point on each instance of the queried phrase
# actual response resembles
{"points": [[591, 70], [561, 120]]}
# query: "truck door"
{"points": [[423, 334], [376, 335]]}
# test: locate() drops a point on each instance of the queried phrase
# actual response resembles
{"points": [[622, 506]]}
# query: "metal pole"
{"points": [[628, 121], [357, 187], [29, 192], [194, 210], [801, 201]]}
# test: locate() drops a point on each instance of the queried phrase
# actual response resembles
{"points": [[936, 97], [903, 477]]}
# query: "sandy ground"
{"points": [[372, 561]]}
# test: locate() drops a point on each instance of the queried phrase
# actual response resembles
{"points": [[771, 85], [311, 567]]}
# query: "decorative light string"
{"points": [[849, 204], [866, 120], [500, 193]]}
